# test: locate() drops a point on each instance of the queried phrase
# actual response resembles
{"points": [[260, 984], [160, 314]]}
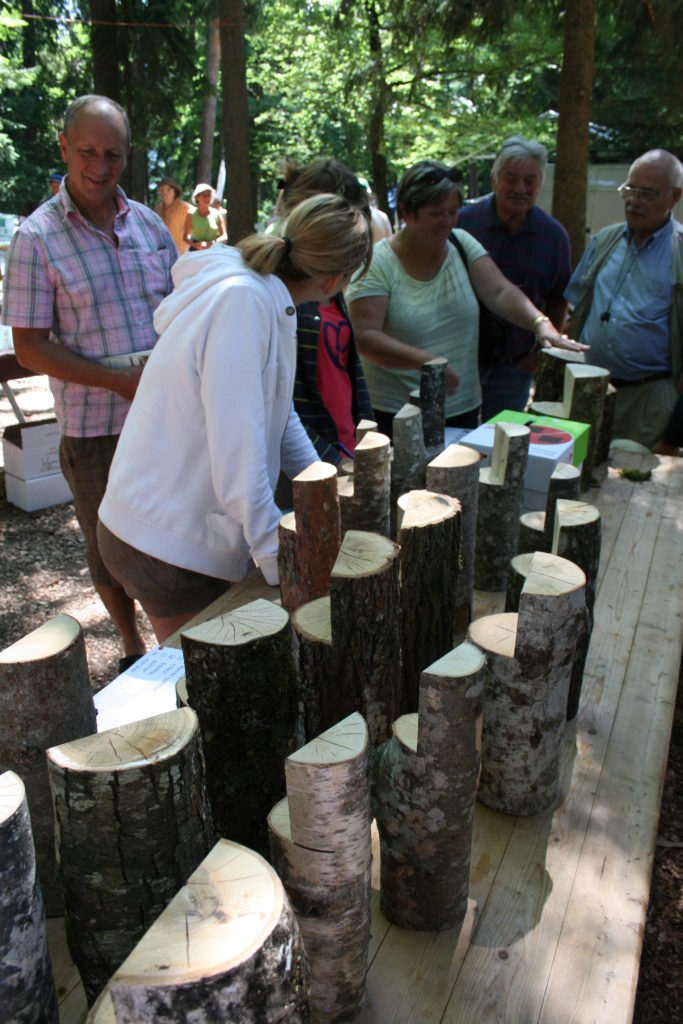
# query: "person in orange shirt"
{"points": [[173, 210]]}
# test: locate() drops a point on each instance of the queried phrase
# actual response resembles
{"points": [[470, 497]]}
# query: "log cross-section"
{"points": [[309, 537], [133, 823], [501, 487], [536, 529], [364, 496]]}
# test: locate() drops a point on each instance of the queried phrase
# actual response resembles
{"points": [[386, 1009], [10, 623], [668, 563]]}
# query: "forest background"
{"points": [[378, 84]]}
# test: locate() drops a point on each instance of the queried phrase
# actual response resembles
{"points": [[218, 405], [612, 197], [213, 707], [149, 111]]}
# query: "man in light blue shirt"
{"points": [[627, 291]]}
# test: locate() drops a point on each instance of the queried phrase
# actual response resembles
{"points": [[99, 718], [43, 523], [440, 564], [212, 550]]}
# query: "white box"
{"points": [[32, 435], [31, 449], [553, 446], [41, 492], [533, 501]]}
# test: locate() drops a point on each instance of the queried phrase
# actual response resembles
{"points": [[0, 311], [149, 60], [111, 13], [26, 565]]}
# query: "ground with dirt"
{"points": [[43, 572]]}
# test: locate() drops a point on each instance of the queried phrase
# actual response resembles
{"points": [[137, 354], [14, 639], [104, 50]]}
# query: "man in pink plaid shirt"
{"points": [[85, 273]]}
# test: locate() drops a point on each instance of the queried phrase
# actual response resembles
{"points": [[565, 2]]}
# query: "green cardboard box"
{"points": [[579, 431]]}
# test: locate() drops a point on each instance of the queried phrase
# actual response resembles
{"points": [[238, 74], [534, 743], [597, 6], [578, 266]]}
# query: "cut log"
{"points": [[529, 665], [242, 682], [433, 404], [605, 428], [321, 848], [364, 427], [409, 456], [309, 537], [364, 498], [549, 377], [45, 698], [428, 530], [536, 528], [350, 645], [227, 948], [425, 789], [577, 536], [518, 571], [455, 472], [501, 487], [132, 824], [27, 989], [583, 400]]}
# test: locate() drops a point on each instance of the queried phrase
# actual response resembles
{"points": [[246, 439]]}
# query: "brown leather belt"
{"points": [[642, 380]]}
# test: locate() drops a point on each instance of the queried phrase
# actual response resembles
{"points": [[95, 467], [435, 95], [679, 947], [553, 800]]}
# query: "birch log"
{"points": [[227, 948], [132, 824], [433, 404], [45, 698], [549, 377], [529, 665], [605, 428], [455, 472], [27, 989], [350, 644], [364, 496], [499, 505], [364, 427], [409, 456], [428, 531], [321, 848], [309, 537], [536, 529], [425, 789], [242, 682]]}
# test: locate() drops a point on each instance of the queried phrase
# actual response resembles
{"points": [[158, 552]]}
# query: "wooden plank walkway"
{"points": [[557, 902]]}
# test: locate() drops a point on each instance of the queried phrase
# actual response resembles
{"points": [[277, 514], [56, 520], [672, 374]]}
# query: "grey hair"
{"points": [[671, 162], [515, 150], [93, 100]]}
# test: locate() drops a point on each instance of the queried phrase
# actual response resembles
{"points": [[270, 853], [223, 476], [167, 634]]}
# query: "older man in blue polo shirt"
{"points": [[532, 250], [628, 296]]}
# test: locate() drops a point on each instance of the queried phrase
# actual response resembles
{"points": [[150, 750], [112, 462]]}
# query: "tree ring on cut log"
{"points": [[363, 553], [252, 621], [46, 641]]}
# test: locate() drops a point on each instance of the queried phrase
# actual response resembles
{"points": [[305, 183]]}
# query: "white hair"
{"points": [[515, 150]]}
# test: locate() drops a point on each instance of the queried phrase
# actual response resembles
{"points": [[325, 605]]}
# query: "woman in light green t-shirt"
{"points": [[420, 299], [204, 226]]}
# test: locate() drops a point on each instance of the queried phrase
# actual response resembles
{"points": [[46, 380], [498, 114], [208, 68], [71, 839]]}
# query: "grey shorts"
{"points": [[85, 463], [162, 589]]}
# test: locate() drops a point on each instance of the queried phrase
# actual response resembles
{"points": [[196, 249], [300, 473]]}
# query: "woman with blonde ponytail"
{"points": [[189, 504]]}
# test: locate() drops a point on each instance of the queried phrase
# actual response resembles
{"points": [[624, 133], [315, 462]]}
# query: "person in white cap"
{"points": [[204, 226]]}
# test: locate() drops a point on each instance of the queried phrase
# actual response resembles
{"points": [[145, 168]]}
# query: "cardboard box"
{"points": [[31, 449], [578, 430], [552, 446], [41, 492]]}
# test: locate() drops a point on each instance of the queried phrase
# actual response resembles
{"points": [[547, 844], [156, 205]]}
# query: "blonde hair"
{"points": [[322, 236], [323, 175]]}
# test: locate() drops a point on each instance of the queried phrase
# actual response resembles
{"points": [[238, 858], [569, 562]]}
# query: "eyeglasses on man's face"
{"points": [[646, 195]]}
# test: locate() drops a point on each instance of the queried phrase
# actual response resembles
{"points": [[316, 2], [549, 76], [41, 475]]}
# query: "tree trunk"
{"points": [[207, 117], [378, 104], [364, 498], [321, 848], [105, 49], [576, 83], [227, 948], [425, 789], [132, 825], [499, 504], [549, 378], [310, 537], [235, 120], [456, 473], [242, 682], [429, 535], [27, 989], [433, 404], [45, 698]]}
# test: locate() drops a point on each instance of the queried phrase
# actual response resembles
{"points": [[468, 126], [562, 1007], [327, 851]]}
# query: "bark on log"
{"points": [[577, 536], [409, 456], [549, 378], [27, 989], [45, 698], [499, 505], [536, 528], [428, 530], [350, 647], [517, 574], [433, 404], [321, 848], [227, 948], [583, 400], [310, 536], [605, 429], [364, 498], [242, 682], [133, 823], [529, 664], [364, 427], [424, 794], [455, 472]]}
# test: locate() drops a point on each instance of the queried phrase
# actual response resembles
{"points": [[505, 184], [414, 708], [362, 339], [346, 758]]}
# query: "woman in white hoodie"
{"points": [[190, 495]]}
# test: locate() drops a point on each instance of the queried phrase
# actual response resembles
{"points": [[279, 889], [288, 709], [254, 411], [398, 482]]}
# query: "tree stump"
{"points": [[321, 848], [27, 989], [409, 456], [433, 404], [227, 948], [536, 528], [350, 642], [364, 497], [549, 377], [132, 824], [501, 486], [242, 682], [428, 531], [583, 400], [455, 472], [577, 536], [605, 428], [45, 698], [425, 789], [309, 537], [529, 665], [364, 427]]}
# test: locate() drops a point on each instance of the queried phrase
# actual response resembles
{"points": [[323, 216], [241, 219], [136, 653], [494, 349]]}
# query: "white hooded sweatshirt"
{"points": [[212, 423]]}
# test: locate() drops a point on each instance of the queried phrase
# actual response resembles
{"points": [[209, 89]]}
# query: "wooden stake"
{"points": [[364, 497], [242, 682], [425, 788], [501, 487], [428, 530], [27, 989], [310, 536], [45, 698], [132, 824]]}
